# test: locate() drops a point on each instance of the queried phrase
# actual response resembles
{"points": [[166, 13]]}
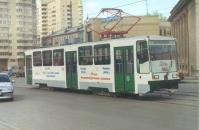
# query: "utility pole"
{"points": [[146, 7]]}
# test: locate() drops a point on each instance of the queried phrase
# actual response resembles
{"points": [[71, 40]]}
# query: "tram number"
{"points": [[164, 69]]}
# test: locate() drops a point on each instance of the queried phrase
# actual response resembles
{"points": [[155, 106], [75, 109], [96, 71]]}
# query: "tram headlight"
{"points": [[174, 75], [155, 76]]}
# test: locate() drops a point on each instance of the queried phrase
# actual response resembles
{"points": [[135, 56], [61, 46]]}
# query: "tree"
{"points": [[160, 15]]}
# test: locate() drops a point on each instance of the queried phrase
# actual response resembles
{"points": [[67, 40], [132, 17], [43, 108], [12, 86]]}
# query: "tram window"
{"points": [[37, 59], [58, 57], [74, 63], [28, 64], [102, 54], [129, 60], [68, 63], [118, 60], [85, 55], [142, 57], [47, 58]]}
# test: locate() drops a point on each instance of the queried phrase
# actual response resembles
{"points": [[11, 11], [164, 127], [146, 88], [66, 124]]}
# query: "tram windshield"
{"points": [[163, 55]]}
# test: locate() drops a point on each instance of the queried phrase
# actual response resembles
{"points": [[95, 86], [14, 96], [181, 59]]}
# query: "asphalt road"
{"points": [[35, 109]]}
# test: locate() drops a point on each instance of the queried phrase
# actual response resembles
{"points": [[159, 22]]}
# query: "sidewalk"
{"points": [[190, 79], [3, 127]]}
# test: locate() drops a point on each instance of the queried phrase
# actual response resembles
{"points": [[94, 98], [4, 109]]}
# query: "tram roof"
{"points": [[119, 39]]}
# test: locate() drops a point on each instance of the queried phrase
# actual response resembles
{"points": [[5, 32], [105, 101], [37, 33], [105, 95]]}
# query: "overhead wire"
{"points": [[114, 7]]}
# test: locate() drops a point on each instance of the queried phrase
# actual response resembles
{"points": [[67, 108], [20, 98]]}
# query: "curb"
{"points": [[6, 126], [191, 78], [189, 81]]}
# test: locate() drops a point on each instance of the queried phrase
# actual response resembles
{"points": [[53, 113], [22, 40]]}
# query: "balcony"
{"points": [[44, 23], [53, 11], [44, 33], [36, 45], [44, 27], [20, 56], [53, 23], [4, 56], [44, 5], [44, 20], [44, 13], [44, 17]]}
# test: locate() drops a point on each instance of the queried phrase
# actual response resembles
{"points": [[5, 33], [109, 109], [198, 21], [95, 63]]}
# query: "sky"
{"points": [[91, 8]]}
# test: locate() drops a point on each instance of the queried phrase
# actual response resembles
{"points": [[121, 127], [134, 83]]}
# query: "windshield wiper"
{"points": [[166, 76]]}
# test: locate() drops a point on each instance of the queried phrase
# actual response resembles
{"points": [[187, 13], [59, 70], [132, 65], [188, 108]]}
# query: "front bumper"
{"points": [[163, 85], [5, 95], [159, 88], [161, 92]]}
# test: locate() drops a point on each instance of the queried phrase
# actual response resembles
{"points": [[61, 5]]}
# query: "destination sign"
{"points": [[162, 42], [108, 19]]}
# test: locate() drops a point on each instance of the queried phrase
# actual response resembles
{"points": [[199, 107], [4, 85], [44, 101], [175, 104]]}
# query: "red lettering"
{"points": [[94, 74], [93, 78], [164, 69]]}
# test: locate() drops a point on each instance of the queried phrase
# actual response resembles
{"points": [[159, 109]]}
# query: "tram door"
{"points": [[71, 69], [29, 69], [124, 70]]}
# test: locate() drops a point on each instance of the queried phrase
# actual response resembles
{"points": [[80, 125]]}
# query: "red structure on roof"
{"points": [[116, 16]]}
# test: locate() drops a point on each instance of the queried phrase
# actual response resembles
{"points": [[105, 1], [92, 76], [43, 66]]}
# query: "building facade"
{"points": [[148, 25], [185, 27], [55, 15], [18, 30], [165, 28], [63, 37]]}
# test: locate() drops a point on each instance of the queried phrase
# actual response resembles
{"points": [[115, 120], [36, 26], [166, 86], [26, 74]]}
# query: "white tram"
{"points": [[141, 65]]}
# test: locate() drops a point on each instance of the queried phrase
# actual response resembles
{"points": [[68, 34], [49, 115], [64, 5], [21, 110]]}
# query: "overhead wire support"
{"points": [[147, 7], [116, 16]]}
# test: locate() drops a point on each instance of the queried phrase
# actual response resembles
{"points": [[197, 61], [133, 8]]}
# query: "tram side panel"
{"points": [[52, 76], [96, 77], [95, 74], [45, 71]]}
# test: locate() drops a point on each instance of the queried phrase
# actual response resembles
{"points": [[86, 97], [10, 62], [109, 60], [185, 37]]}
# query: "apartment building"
{"points": [[55, 15], [17, 30]]}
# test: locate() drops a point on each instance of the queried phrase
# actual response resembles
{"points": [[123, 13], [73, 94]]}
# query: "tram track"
{"points": [[180, 98], [187, 95], [180, 104]]}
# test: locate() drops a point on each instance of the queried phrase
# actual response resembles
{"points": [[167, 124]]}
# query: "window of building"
{"points": [[58, 57], [20, 53], [13, 60], [37, 59], [85, 55], [160, 32], [164, 32], [5, 53], [102, 54], [47, 58]]}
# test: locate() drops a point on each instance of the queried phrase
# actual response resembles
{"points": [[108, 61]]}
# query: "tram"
{"points": [[142, 65]]}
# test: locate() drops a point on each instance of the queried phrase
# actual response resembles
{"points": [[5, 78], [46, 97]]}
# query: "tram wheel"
{"points": [[95, 91], [115, 95]]}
